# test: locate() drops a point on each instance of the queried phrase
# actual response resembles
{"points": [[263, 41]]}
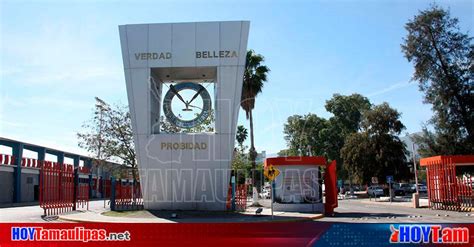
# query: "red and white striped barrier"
{"points": [[30, 162], [6, 159]]}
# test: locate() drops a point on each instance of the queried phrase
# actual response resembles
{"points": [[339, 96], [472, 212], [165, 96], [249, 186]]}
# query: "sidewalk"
{"points": [[386, 201], [144, 216], [99, 217]]}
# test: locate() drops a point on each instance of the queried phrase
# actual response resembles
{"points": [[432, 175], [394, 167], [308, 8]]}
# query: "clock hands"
{"points": [[187, 103], [196, 107], [195, 96], [178, 95], [194, 111]]}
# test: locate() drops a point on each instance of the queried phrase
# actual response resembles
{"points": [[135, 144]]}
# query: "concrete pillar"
{"points": [[60, 156], [90, 186], [77, 159], [41, 154], [416, 200], [18, 155], [41, 157], [112, 194], [88, 163]]}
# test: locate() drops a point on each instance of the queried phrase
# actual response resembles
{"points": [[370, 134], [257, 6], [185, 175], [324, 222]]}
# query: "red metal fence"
{"points": [[56, 188], [126, 195], [82, 189], [105, 188], [63, 188], [466, 193], [446, 191]]}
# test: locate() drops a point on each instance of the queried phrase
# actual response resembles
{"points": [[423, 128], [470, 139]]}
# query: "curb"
{"points": [[296, 219]]}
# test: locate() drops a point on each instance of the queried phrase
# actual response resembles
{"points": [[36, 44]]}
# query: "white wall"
{"points": [[180, 179]]}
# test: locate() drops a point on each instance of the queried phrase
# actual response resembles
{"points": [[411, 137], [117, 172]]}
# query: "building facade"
{"points": [[169, 69]]}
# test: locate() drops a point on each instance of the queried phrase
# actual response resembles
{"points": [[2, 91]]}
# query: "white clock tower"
{"points": [[184, 170]]}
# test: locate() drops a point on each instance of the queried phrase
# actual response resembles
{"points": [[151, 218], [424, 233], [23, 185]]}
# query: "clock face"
{"points": [[187, 104]]}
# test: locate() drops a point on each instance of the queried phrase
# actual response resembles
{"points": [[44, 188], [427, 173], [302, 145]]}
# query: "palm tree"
{"points": [[241, 136], [254, 76]]}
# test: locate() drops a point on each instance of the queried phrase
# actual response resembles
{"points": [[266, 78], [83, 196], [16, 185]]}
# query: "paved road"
{"points": [[34, 213], [349, 211], [362, 211]]}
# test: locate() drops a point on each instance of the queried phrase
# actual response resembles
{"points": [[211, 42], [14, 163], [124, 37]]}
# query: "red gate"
{"points": [[447, 191], [57, 191], [126, 196], [56, 187]]}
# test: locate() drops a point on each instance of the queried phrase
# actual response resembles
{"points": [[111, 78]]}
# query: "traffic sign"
{"points": [[375, 180], [271, 173], [389, 179]]}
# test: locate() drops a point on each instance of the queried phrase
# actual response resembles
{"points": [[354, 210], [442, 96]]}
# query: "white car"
{"points": [[375, 191], [265, 194], [422, 189]]}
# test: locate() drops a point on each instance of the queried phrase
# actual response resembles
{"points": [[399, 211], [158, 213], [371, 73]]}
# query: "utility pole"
{"points": [[414, 167], [416, 195]]}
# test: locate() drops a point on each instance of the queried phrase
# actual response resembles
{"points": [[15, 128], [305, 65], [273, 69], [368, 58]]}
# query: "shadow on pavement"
{"points": [[222, 217], [362, 215]]}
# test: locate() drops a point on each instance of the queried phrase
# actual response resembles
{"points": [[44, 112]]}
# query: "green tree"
{"points": [[167, 127], [376, 150], [303, 133], [443, 59], [206, 126], [107, 136], [241, 136], [347, 113], [241, 166], [255, 75], [94, 139], [287, 152], [357, 153], [119, 132]]}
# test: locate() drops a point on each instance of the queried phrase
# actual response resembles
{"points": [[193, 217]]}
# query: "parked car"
{"points": [[375, 190], [408, 188], [355, 188], [422, 189], [397, 191]]}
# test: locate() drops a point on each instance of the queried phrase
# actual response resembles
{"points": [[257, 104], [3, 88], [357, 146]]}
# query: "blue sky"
{"points": [[56, 57]]}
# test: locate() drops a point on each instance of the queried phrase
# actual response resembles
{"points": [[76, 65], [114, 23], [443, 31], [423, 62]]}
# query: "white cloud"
{"points": [[393, 87]]}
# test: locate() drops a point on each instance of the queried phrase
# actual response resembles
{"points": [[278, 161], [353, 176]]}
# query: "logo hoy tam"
{"points": [[428, 234]]}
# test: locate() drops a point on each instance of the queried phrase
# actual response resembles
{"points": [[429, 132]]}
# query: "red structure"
{"points": [[6, 159], [329, 175], [240, 197], [58, 190], [448, 187], [127, 195]]}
